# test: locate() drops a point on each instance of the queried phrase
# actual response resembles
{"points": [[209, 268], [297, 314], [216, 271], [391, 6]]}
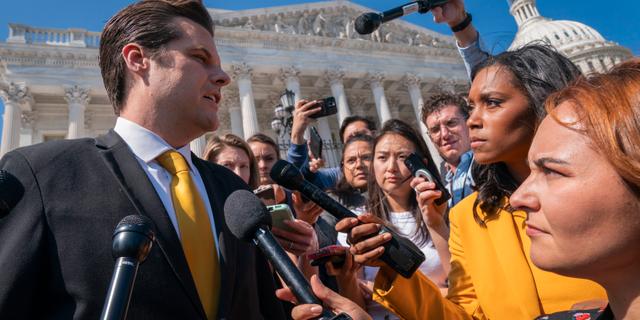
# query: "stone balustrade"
{"points": [[20, 33]]}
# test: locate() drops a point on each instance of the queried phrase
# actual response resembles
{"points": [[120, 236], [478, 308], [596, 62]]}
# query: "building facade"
{"points": [[52, 89]]}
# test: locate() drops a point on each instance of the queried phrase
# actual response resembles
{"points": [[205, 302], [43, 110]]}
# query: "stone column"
{"points": [[197, 146], [29, 119], [412, 83], [289, 75], [16, 98], [334, 77], [231, 100], [78, 99], [242, 73], [382, 106]]}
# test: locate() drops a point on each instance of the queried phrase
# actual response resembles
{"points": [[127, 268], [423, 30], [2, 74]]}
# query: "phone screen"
{"points": [[315, 143]]}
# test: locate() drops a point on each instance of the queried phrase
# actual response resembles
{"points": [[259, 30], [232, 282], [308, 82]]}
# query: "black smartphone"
{"points": [[315, 143], [328, 107], [266, 194], [419, 169], [334, 253]]}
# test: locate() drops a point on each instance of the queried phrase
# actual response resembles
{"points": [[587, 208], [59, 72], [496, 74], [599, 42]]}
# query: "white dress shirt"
{"points": [[147, 146]]}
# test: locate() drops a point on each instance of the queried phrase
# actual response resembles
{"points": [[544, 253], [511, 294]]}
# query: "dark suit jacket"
{"points": [[55, 245]]}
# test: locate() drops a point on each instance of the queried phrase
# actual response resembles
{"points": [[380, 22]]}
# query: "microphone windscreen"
{"points": [[11, 191], [245, 213], [133, 237], [367, 23], [286, 174]]}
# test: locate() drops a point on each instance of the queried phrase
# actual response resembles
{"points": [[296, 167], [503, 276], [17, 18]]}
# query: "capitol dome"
{"points": [[582, 44]]}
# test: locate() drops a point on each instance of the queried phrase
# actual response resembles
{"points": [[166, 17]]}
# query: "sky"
{"points": [[616, 23]]}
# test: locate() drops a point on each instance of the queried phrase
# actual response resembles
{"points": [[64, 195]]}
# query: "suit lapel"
{"points": [[227, 246], [511, 257], [137, 187]]}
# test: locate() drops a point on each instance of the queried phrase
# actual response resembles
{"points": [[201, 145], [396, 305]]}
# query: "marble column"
{"points": [[382, 105], [16, 98], [242, 74], [197, 146], [334, 77], [412, 83], [78, 99], [289, 75], [231, 100]]}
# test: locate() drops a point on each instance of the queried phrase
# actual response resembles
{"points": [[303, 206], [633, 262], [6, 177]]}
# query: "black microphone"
{"points": [[11, 191], [132, 241], [400, 253], [248, 219], [370, 21]]}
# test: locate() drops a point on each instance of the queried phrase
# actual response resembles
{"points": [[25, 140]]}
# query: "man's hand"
{"points": [[366, 243], [335, 302], [426, 194], [301, 119], [300, 240]]}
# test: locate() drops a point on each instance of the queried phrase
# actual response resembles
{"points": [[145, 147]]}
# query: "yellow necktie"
{"points": [[195, 231]]}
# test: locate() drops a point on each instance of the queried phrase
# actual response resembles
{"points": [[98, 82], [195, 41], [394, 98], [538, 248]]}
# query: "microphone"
{"points": [[368, 22], [248, 219], [132, 241], [11, 191], [400, 253]]}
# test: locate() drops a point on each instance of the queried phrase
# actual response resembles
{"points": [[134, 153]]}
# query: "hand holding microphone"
{"points": [[370, 21], [402, 255]]}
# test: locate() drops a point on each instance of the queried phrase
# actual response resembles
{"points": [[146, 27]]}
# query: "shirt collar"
{"points": [[145, 144]]}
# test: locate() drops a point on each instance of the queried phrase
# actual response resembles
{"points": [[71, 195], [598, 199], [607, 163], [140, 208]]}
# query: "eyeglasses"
{"points": [[353, 162], [450, 124]]}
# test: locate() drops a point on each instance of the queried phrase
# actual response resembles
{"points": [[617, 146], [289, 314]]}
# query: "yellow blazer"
{"points": [[491, 276]]}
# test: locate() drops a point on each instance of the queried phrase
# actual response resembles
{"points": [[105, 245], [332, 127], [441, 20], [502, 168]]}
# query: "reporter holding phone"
{"points": [[491, 274], [405, 203]]}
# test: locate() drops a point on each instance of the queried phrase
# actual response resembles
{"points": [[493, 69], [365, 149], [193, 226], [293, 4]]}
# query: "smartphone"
{"points": [[327, 106], [315, 143], [419, 169], [279, 214], [335, 254]]}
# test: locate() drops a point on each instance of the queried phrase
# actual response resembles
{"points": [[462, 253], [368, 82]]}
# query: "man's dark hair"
{"points": [[149, 24], [355, 118], [263, 138], [441, 100]]}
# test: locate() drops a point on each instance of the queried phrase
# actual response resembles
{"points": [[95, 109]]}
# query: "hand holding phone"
{"points": [[279, 214], [419, 169]]}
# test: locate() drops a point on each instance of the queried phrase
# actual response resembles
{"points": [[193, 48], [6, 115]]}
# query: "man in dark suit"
{"points": [[163, 75]]}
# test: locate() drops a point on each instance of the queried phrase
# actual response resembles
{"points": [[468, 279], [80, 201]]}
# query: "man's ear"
{"points": [[135, 58]]}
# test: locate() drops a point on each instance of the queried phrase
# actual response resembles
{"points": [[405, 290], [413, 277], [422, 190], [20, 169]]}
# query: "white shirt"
{"points": [[147, 146]]}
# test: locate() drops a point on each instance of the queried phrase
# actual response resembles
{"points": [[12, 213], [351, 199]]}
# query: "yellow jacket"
{"points": [[491, 276]]}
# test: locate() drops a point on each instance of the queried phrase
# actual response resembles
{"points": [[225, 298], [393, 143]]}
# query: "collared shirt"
{"points": [[459, 184], [147, 146], [473, 55]]}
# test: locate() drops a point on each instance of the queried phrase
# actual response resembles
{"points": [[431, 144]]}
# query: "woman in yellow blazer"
{"points": [[491, 274]]}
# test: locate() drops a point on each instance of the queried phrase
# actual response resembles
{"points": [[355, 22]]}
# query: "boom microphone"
{"points": [[248, 219], [132, 241], [11, 191], [370, 21], [400, 254]]}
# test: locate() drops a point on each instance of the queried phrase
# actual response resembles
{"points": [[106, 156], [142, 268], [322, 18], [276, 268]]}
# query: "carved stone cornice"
{"points": [[374, 79], [411, 80], [329, 20], [77, 95], [334, 75], [34, 54], [28, 119], [289, 72], [17, 93], [241, 71], [446, 85]]}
